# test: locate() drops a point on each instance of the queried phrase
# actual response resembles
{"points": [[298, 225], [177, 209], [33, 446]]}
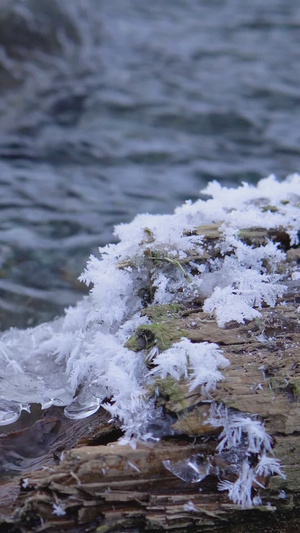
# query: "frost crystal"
{"points": [[199, 361], [58, 509], [190, 507], [25, 483], [240, 492], [81, 360], [250, 439], [247, 285], [235, 426]]}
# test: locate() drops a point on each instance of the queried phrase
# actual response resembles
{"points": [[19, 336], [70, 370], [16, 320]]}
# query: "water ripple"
{"points": [[113, 109]]}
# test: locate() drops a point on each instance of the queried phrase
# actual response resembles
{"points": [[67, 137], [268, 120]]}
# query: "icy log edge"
{"points": [[117, 488]]}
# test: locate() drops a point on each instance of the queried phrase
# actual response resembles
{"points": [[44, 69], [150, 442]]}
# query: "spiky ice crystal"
{"points": [[81, 359]]}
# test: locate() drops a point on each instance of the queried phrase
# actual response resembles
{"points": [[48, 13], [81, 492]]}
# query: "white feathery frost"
{"points": [[80, 360]]}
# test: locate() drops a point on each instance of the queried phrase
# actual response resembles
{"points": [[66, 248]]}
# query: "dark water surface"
{"points": [[110, 108]]}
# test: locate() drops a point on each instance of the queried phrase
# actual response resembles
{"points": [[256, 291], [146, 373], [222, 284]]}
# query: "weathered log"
{"points": [[102, 485]]}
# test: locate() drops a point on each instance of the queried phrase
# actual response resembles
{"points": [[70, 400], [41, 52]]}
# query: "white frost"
{"points": [[249, 437], [58, 509], [159, 259], [200, 362]]}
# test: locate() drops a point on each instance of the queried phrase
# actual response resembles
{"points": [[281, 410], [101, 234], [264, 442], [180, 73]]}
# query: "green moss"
{"points": [[161, 313], [260, 324], [295, 387], [282, 268], [278, 384], [163, 335], [169, 390], [271, 208], [255, 236]]}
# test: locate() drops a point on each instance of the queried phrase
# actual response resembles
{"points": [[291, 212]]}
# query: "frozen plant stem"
{"points": [[159, 257]]}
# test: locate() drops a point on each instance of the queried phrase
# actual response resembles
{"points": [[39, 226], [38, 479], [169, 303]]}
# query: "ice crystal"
{"points": [[58, 509], [200, 362], [244, 284], [190, 507], [269, 466], [25, 483], [137, 414], [240, 492], [244, 446], [190, 470], [80, 361], [247, 435], [235, 425]]}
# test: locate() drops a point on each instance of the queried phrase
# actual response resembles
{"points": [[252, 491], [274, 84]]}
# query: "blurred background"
{"points": [[109, 108]]}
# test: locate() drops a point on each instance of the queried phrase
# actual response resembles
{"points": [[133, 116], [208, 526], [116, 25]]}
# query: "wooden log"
{"points": [[103, 486]]}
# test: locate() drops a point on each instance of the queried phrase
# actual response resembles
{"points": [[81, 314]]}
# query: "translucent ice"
{"points": [[9, 412]]}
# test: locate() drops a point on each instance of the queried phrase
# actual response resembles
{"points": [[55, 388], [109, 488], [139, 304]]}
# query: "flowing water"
{"points": [[111, 108]]}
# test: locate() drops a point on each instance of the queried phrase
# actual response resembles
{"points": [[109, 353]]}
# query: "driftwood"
{"points": [[100, 485]]}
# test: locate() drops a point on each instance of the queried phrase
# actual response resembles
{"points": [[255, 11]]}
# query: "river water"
{"points": [[111, 108]]}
